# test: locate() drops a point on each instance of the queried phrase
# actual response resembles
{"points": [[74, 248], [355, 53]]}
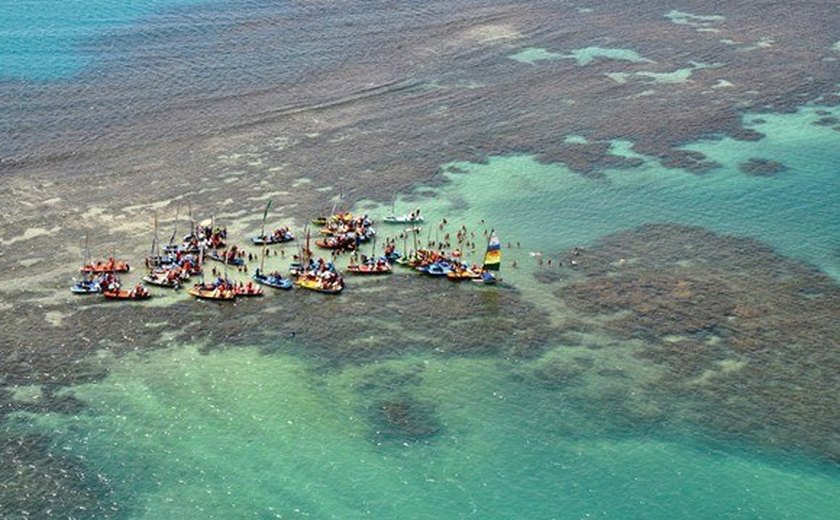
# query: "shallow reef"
{"points": [[747, 337], [761, 167]]}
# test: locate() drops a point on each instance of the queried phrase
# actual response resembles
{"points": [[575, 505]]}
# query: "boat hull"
{"points": [[314, 285], [283, 283], [211, 294], [125, 295]]}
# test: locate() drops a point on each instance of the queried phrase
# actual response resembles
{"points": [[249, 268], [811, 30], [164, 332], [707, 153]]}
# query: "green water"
{"points": [[236, 434]]}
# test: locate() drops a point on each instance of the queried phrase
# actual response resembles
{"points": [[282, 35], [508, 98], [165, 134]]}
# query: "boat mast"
{"points": [[265, 214], [201, 261], [87, 259], [175, 227], [155, 239], [192, 222]]}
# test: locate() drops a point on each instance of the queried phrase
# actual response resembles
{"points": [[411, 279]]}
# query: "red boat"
{"points": [[377, 268], [109, 266], [248, 289]]}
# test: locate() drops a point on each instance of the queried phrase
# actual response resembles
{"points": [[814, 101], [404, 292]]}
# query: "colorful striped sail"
{"points": [[493, 256]]}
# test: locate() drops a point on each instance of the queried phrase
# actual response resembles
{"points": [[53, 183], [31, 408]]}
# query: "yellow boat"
{"points": [[315, 284]]}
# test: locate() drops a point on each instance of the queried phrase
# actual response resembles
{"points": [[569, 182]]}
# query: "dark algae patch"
{"points": [[761, 167], [748, 337]]}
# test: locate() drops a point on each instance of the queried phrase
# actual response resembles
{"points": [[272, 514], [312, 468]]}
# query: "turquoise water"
{"points": [[553, 208], [51, 39], [237, 434]]}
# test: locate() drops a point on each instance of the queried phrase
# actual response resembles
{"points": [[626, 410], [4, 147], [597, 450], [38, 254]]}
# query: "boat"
{"points": [[462, 273], [492, 260], [137, 293], [111, 265], [435, 269], [279, 236], [248, 290], [91, 286], [314, 283], [486, 278], [372, 265], [170, 279], [211, 292], [274, 280], [381, 267], [232, 258], [402, 219], [333, 242], [410, 218]]}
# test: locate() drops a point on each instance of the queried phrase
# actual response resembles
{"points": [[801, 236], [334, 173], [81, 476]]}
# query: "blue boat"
{"points": [[235, 261], [272, 280], [435, 269], [86, 287]]}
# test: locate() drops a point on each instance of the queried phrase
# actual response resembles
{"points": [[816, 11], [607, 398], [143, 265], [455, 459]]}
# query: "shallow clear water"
{"points": [[550, 208], [239, 434]]}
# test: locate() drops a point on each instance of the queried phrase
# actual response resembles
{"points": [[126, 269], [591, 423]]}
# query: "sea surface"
{"points": [[171, 429]]}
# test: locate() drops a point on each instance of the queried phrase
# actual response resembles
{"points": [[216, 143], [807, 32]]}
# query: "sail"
{"points": [[493, 256], [265, 215]]}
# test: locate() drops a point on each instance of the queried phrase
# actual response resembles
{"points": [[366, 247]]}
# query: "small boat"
{"points": [[278, 236], [332, 242], [461, 274], [375, 268], [273, 280], [209, 292], [492, 260], [275, 238], [248, 290], [340, 217], [109, 266], [435, 269], [486, 278], [411, 218], [138, 293], [162, 280], [86, 287], [231, 259], [316, 284], [91, 284]]}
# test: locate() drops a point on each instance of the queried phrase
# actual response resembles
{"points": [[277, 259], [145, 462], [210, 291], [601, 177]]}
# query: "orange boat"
{"points": [[138, 293], [205, 292], [109, 266], [248, 289], [333, 242], [460, 274]]}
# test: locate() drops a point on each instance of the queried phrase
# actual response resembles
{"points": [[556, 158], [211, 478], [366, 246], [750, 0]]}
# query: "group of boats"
{"points": [[173, 265]]}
